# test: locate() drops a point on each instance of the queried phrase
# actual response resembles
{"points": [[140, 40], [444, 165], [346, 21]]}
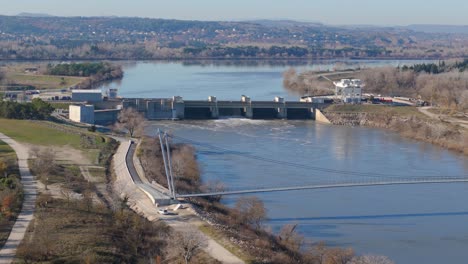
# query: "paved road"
{"points": [[123, 163], [8, 252]]}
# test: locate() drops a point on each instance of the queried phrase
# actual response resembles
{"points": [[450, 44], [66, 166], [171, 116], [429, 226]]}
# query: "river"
{"points": [[410, 224]]}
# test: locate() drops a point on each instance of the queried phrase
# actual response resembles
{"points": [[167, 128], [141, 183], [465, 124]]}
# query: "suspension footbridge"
{"points": [[367, 179]]}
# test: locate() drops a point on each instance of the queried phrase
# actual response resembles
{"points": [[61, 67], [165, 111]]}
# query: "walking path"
{"points": [[8, 252], [141, 203]]}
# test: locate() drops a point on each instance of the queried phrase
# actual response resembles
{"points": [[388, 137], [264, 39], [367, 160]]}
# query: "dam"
{"points": [[176, 108]]}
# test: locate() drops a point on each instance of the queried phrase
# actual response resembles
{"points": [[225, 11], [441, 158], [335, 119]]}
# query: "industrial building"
{"points": [[81, 113], [349, 90], [90, 96], [84, 113]]}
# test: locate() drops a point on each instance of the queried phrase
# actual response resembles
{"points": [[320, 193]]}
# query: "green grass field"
{"points": [[38, 133], [5, 150], [64, 106], [44, 81]]}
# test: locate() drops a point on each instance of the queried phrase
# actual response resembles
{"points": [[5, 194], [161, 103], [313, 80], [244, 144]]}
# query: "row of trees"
{"points": [[85, 69], [36, 110], [447, 90], [436, 68], [152, 50]]}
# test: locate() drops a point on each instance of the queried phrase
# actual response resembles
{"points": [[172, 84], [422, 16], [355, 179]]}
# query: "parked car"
{"points": [[163, 211]]}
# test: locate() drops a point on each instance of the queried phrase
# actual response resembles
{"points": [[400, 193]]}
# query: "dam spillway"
{"points": [[177, 108]]}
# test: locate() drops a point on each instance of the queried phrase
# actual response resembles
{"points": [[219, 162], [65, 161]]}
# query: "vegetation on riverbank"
{"points": [[11, 194], [407, 121], [444, 84], [41, 76], [96, 72]]}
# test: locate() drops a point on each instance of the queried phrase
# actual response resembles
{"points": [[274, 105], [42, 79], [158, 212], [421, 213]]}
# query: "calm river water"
{"points": [[410, 224]]}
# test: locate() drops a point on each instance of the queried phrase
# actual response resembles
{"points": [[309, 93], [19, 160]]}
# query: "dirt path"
{"points": [[449, 119], [8, 252]]}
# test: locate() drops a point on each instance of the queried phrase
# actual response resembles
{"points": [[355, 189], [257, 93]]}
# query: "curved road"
{"points": [[125, 170], [8, 252]]}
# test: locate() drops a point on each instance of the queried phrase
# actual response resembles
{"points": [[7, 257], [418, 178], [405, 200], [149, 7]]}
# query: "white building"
{"points": [[349, 90], [81, 113], [86, 95]]}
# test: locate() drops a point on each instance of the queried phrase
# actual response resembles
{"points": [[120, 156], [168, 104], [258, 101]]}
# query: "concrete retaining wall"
{"points": [[320, 117]]}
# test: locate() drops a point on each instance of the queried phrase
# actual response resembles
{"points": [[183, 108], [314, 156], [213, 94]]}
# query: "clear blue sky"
{"points": [[376, 12]]}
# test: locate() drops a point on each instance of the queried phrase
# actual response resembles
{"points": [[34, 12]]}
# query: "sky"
{"points": [[335, 12]]}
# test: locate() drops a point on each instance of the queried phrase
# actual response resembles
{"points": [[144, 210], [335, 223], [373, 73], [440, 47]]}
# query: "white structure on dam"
{"points": [[349, 90]]}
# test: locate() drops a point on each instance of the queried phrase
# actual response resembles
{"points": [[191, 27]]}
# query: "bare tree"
{"points": [[2, 75], [214, 186], [289, 237], [67, 194], [339, 255], [88, 199], [251, 211], [44, 164], [187, 243], [131, 120], [3, 168]]}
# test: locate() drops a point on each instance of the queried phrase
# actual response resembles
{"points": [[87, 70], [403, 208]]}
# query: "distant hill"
{"points": [[285, 23], [41, 36], [439, 28], [33, 15]]}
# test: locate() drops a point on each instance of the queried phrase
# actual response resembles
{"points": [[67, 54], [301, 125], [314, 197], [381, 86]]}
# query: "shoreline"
{"points": [[231, 59], [407, 126]]}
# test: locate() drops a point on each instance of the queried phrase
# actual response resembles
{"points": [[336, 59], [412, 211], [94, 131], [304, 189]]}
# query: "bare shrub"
{"points": [[370, 259], [251, 211], [131, 120], [187, 244]]}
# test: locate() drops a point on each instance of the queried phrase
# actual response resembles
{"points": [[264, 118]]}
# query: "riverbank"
{"points": [[42, 76], [408, 121]]}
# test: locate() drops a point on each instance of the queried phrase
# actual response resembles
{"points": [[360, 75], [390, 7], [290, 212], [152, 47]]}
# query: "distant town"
{"points": [[68, 38]]}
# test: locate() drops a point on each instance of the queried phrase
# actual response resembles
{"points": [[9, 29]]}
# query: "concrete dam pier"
{"points": [[177, 108]]}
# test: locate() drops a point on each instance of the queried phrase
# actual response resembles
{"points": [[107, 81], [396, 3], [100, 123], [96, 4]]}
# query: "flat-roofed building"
{"points": [[349, 90], [81, 113], [87, 95]]}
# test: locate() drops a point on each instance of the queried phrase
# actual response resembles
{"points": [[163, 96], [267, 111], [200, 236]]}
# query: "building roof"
{"points": [[87, 91], [345, 83]]}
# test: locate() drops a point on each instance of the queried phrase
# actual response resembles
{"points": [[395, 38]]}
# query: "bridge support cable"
{"points": [[169, 159], [165, 164]]}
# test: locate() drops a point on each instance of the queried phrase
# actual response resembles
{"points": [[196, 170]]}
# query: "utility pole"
{"points": [[171, 175], [165, 163]]}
